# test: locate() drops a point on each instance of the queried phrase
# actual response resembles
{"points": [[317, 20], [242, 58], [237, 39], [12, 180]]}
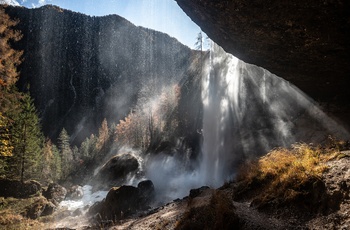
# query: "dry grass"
{"points": [[284, 173], [10, 214]]}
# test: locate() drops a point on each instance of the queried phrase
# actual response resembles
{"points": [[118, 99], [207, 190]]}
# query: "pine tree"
{"points": [[27, 139], [199, 41], [66, 153], [56, 167], [88, 148]]}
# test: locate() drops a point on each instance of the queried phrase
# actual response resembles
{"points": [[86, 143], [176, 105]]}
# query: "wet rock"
{"points": [[77, 212], [117, 168], [124, 201], [75, 192], [18, 189], [55, 193]]}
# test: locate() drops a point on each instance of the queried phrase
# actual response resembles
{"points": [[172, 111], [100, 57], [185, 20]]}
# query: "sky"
{"points": [[161, 15]]}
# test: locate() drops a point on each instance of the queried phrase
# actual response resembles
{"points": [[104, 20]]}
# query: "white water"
{"points": [[88, 199], [78, 220]]}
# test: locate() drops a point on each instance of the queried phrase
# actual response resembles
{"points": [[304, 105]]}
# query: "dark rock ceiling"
{"points": [[304, 42]]}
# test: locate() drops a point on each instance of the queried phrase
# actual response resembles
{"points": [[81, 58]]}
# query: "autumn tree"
{"points": [[9, 96], [5, 146], [9, 58], [103, 135], [153, 120], [50, 162]]}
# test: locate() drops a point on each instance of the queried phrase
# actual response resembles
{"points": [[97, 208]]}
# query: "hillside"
{"points": [[83, 69]]}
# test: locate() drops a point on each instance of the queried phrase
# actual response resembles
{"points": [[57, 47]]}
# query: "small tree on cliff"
{"points": [[199, 41]]}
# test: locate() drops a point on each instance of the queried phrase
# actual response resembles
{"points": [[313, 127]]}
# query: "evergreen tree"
{"points": [[66, 153], [27, 140], [88, 148], [199, 41], [56, 167]]}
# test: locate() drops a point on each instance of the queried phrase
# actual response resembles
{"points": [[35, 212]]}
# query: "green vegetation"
{"points": [[20, 131]]}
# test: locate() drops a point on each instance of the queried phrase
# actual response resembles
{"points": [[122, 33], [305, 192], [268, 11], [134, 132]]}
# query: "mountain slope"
{"points": [[82, 69]]}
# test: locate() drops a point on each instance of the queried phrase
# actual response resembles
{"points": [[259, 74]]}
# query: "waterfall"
{"points": [[248, 111], [219, 87]]}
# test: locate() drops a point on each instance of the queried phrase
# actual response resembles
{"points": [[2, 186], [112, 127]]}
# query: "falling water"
{"points": [[248, 111], [216, 101]]}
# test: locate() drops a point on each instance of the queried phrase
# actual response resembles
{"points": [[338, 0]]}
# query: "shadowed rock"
{"points": [[55, 193], [114, 172], [17, 189], [124, 201]]}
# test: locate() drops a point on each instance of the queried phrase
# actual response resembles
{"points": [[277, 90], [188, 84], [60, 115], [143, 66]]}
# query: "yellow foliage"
{"points": [[5, 146], [283, 172]]}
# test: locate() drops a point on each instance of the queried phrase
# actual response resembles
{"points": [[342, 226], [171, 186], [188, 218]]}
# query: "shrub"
{"points": [[286, 173]]}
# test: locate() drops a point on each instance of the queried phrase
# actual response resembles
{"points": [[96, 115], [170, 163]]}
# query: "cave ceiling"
{"points": [[304, 42]]}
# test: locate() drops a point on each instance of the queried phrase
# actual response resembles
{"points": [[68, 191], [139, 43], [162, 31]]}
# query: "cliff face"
{"points": [[82, 69], [304, 42]]}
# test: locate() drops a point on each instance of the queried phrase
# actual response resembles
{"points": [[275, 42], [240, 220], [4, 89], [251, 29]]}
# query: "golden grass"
{"points": [[283, 173]]}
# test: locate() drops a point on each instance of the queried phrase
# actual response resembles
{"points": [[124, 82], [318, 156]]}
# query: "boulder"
{"points": [[49, 209], [146, 193], [75, 192], [55, 193], [117, 168], [123, 201], [40, 207], [18, 189]]}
